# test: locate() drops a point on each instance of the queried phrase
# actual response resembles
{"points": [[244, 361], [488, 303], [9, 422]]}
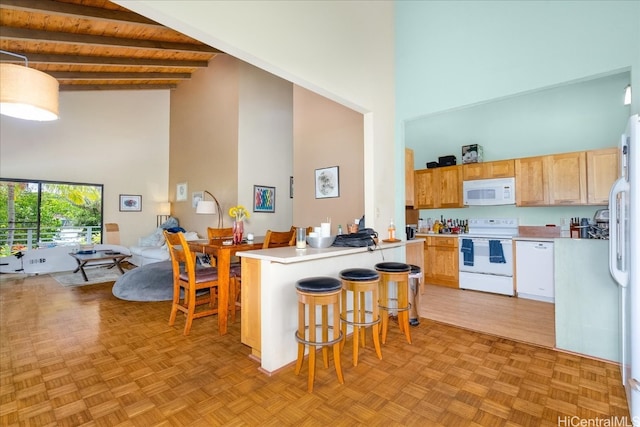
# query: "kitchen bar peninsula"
{"points": [[269, 301]]}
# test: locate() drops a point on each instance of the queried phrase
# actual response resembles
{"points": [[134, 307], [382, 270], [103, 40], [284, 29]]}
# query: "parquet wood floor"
{"points": [[79, 356]]}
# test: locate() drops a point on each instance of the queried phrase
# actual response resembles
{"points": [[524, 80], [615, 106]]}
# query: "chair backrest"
{"points": [[111, 234], [278, 239], [216, 234], [180, 254]]}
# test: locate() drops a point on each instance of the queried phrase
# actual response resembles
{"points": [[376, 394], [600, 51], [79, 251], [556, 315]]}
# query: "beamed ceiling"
{"points": [[98, 45]]}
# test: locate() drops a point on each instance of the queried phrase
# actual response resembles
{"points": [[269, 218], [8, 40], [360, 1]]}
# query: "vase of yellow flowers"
{"points": [[239, 214]]}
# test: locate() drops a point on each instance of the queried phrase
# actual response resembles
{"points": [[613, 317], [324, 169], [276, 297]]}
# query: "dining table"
{"points": [[222, 251]]}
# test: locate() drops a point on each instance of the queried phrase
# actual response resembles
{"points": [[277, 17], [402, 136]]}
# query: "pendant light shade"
{"points": [[26, 93]]}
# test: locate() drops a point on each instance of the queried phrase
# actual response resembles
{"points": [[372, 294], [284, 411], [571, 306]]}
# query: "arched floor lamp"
{"points": [[210, 208]]}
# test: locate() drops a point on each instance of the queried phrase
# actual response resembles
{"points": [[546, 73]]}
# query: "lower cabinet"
{"points": [[534, 270], [441, 261]]}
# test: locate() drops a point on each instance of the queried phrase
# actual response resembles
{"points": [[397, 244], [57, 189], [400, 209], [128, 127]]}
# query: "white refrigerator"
{"points": [[624, 260]]}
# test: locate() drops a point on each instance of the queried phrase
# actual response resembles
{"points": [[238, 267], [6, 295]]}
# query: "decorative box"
{"points": [[472, 153]]}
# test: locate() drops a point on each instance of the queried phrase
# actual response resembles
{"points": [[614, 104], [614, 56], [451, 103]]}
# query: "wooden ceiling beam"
{"points": [[79, 11], [81, 87], [12, 33], [49, 58], [81, 75]]}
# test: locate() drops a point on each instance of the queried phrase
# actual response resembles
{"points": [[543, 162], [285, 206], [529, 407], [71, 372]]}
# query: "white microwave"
{"points": [[488, 192]]}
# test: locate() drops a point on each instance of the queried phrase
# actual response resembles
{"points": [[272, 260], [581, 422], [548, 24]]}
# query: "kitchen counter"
{"points": [[269, 300]]}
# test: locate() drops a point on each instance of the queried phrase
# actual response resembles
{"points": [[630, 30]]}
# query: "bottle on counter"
{"points": [[339, 229], [392, 230]]}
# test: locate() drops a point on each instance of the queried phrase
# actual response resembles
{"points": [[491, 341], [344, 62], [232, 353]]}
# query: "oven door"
{"points": [[479, 261]]}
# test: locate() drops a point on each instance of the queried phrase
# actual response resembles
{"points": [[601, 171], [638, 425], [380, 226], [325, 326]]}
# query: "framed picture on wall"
{"points": [[130, 203], [327, 182], [196, 196], [264, 198], [181, 192]]}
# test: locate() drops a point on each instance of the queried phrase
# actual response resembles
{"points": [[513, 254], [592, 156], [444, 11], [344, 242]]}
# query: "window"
{"points": [[36, 213]]}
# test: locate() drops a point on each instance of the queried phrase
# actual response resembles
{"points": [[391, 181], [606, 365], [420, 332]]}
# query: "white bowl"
{"points": [[320, 242]]}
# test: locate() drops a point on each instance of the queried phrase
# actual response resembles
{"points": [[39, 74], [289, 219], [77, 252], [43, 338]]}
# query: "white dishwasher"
{"points": [[534, 270]]}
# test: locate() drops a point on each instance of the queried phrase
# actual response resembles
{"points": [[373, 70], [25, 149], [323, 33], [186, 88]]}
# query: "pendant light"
{"points": [[26, 93]]}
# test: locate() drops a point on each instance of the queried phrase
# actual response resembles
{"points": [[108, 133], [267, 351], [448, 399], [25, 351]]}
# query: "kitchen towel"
{"points": [[467, 252], [496, 255]]}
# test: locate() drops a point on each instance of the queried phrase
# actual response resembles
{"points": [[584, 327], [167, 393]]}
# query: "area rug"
{"points": [[95, 275], [151, 282]]}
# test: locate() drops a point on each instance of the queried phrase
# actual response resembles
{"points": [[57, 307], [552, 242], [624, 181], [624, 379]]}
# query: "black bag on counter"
{"points": [[365, 238]]}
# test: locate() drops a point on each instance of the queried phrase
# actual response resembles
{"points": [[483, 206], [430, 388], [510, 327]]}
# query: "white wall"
{"points": [[342, 50], [116, 138]]}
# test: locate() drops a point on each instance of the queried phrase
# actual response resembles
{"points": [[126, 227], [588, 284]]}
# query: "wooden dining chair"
{"points": [[190, 279], [278, 239], [216, 237]]}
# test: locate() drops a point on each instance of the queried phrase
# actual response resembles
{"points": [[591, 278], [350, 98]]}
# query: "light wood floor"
{"points": [[73, 356], [515, 318]]}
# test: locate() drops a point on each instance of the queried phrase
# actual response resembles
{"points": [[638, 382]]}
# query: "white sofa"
{"points": [[152, 248]]}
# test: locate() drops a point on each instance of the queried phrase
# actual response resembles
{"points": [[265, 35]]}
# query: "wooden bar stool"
{"points": [[356, 283], [398, 273], [314, 292]]}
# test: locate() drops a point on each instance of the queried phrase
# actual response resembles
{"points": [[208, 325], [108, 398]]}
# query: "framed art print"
{"points": [[196, 196], [181, 192], [264, 198], [130, 203], [327, 183]]}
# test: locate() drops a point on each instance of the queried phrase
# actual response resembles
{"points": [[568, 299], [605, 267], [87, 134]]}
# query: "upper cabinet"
{"points": [[568, 179], [487, 170], [602, 171], [580, 178], [425, 197], [532, 181], [438, 187], [409, 184]]}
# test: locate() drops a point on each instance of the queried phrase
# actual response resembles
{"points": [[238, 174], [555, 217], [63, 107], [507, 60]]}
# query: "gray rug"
{"points": [[151, 282]]}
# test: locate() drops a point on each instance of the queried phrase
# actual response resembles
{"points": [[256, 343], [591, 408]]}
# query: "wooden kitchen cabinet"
{"points": [[602, 171], [425, 181], [567, 178], [532, 181], [450, 186], [441, 261], [438, 187], [488, 170], [409, 177], [558, 179]]}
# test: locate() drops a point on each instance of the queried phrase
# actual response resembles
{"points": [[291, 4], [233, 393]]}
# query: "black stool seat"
{"points": [[318, 284], [359, 274], [414, 269], [393, 267]]}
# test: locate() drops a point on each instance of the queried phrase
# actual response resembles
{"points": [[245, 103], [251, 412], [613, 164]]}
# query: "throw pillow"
{"points": [[170, 223]]}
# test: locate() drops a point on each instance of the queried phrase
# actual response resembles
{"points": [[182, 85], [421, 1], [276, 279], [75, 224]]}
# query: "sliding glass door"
{"points": [[36, 213]]}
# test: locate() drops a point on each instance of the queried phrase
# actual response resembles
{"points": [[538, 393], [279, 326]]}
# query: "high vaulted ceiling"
{"points": [[98, 45]]}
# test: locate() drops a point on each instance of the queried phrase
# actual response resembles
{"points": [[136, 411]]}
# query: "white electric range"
{"points": [[486, 255]]}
